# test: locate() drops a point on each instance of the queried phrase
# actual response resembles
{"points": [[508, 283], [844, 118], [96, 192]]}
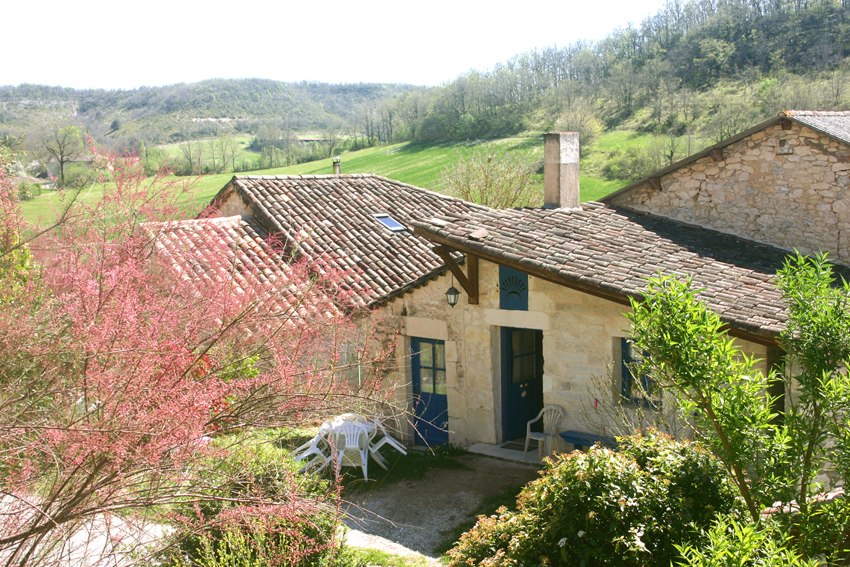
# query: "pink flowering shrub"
{"points": [[116, 366]]}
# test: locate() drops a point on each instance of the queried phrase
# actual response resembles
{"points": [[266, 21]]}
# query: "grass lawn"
{"points": [[44, 208], [417, 164], [174, 151], [594, 188], [375, 558]]}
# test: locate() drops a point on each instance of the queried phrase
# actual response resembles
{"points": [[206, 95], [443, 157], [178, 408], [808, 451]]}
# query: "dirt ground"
{"points": [[416, 514]]}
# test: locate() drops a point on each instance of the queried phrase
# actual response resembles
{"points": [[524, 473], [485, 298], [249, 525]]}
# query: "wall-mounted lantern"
{"points": [[452, 296]]}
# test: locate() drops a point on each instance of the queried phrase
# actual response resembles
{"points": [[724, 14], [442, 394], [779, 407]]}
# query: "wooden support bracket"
{"points": [[655, 183], [717, 154], [785, 123], [470, 283]]}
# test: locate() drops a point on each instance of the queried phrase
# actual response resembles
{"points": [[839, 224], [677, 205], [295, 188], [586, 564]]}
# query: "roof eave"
{"points": [[751, 333], [790, 116]]}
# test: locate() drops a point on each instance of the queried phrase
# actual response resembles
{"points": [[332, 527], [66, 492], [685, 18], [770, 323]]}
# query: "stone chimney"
{"points": [[337, 167], [560, 170]]}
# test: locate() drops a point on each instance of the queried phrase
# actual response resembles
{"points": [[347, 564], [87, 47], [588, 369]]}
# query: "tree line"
{"points": [[692, 74], [670, 74], [185, 111]]}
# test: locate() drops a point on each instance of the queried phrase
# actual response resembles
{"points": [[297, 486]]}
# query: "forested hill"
{"points": [[700, 69], [740, 59], [161, 114]]}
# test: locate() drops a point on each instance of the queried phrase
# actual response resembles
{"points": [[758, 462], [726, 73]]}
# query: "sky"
{"points": [[127, 44]]}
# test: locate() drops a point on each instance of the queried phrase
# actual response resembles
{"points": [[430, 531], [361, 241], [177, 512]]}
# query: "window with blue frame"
{"points": [[513, 289], [640, 390], [430, 365], [431, 410], [389, 222]]}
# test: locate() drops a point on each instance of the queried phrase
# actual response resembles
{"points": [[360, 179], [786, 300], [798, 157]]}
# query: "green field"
{"points": [[417, 164], [174, 151]]}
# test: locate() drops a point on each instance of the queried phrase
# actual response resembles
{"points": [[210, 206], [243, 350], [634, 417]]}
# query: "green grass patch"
{"points": [[416, 164], [45, 208], [376, 558], [620, 140], [174, 150], [611, 144], [594, 188]]}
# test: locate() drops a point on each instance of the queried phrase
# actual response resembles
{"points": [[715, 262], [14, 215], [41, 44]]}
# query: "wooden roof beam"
{"points": [[470, 283]]}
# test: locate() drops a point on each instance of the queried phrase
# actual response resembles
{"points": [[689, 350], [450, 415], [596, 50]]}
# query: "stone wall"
{"points": [[783, 187], [232, 205], [581, 351]]}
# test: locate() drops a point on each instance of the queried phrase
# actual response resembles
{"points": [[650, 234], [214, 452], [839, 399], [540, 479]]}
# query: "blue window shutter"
{"points": [[630, 392], [513, 289], [626, 374]]}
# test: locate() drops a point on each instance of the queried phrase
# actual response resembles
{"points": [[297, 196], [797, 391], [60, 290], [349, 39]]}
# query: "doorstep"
{"points": [[509, 451]]}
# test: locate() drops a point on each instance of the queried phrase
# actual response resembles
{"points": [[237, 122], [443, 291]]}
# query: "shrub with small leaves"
{"points": [[294, 523], [728, 542], [603, 507]]}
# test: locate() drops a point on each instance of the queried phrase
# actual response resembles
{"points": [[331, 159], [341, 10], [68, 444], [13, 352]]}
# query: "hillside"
{"points": [[185, 111], [699, 67], [645, 96], [419, 164]]}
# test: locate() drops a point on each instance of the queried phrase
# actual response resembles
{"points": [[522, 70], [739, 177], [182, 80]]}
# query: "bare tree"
{"points": [[63, 143], [580, 117], [228, 146], [192, 152], [332, 138], [494, 177], [213, 153]]}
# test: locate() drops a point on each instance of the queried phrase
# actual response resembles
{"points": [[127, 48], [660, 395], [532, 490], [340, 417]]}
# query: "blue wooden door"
{"points": [[431, 414], [522, 379]]}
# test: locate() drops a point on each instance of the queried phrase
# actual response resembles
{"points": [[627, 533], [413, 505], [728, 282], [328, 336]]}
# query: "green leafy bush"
{"points": [[273, 540], [776, 448], [606, 508], [631, 163], [27, 191], [299, 530], [822, 532], [728, 542]]}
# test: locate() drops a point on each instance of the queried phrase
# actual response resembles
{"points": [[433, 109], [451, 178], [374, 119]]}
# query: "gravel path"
{"points": [[412, 517]]}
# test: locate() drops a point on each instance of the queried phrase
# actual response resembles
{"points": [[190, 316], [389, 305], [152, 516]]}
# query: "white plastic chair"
{"points": [[312, 447], [387, 439], [551, 416], [350, 436], [351, 417]]}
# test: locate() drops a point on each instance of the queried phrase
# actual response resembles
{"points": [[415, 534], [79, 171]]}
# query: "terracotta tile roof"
{"points": [[238, 253], [614, 250], [834, 124], [331, 217]]}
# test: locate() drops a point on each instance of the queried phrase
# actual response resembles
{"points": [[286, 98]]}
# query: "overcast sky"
{"points": [[122, 44]]}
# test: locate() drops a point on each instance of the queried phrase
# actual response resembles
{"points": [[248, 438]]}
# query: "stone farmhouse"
{"points": [[783, 182], [540, 319]]}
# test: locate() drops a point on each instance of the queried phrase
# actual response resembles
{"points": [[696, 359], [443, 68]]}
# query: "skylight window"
{"points": [[389, 222]]}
